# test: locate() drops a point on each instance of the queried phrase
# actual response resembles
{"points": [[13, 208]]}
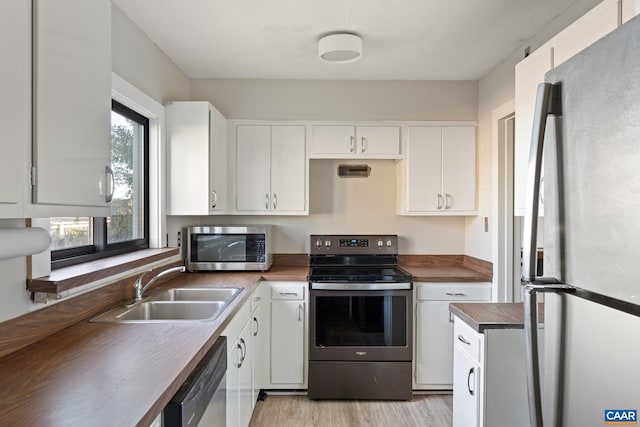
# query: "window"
{"points": [[79, 239]]}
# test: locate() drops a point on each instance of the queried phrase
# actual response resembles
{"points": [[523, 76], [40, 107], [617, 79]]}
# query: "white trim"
{"points": [[132, 97], [501, 279]]}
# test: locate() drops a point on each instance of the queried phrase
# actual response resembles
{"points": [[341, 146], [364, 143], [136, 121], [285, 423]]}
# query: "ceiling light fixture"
{"points": [[340, 47]]}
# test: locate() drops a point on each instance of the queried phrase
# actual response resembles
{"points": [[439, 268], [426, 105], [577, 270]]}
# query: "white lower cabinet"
{"points": [[240, 349], [288, 329], [433, 358], [489, 380]]}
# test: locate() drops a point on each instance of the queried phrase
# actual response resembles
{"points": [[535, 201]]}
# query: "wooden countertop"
{"points": [[482, 316], [107, 374]]}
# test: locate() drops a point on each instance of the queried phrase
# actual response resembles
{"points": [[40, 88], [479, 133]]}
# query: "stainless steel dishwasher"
{"points": [[201, 400]]}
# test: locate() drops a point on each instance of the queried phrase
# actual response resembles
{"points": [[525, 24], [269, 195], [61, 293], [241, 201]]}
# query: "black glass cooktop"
{"points": [[389, 274]]}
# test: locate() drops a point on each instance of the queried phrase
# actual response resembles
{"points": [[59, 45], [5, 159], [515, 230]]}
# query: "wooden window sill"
{"points": [[67, 278]]}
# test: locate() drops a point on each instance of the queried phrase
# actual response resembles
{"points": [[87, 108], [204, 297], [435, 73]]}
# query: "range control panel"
{"points": [[340, 244]]}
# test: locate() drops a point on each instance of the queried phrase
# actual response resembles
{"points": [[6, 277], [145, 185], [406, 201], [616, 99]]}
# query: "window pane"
{"points": [[127, 160], [70, 232]]}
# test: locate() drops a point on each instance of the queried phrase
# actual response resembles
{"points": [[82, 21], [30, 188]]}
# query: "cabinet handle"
{"points": [[244, 350], [255, 319], [287, 294], [241, 358], [275, 201], [471, 372], [462, 340], [439, 201], [215, 198], [266, 201], [456, 294], [111, 184], [447, 199], [363, 144], [352, 144], [299, 312]]}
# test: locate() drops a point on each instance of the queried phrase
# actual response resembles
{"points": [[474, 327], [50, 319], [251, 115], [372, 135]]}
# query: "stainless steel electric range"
{"points": [[360, 334]]}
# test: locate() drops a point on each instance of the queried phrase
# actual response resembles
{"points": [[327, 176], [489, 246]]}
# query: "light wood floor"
{"points": [[423, 410]]}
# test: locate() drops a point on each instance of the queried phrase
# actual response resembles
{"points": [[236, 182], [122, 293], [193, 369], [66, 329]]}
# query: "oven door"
{"points": [[360, 325]]}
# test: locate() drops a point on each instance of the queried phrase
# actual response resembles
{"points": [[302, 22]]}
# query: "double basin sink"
{"points": [[174, 305]]}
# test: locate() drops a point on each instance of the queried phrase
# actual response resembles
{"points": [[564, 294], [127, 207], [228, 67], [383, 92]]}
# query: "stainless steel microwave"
{"points": [[212, 248]]}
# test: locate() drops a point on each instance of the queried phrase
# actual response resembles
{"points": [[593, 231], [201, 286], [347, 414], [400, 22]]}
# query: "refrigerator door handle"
{"points": [[530, 238]]}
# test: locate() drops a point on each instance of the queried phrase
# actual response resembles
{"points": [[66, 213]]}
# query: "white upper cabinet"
{"points": [[15, 110], [271, 169], [197, 159], [355, 141], [438, 174], [530, 72], [72, 103], [591, 27]]}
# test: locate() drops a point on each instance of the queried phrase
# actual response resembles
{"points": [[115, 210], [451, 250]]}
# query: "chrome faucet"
{"points": [[139, 289]]}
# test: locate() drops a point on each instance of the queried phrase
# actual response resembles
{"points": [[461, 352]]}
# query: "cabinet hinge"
{"points": [[32, 176]]}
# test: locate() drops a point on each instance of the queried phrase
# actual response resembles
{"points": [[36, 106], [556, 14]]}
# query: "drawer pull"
{"points": [[462, 340], [456, 294], [289, 294]]}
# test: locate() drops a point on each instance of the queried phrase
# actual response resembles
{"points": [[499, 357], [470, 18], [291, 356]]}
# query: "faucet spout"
{"points": [[139, 289]]}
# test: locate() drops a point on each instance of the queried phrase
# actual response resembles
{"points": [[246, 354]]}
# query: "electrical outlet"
{"points": [[179, 238], [486, 224]]}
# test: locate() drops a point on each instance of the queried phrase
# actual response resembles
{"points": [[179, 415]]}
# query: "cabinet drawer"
{"points": [[466, 338], [453, 292], [287, 291]]}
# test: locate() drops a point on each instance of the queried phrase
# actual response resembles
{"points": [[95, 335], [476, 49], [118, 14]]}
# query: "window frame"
{"points": [[100, 248]]}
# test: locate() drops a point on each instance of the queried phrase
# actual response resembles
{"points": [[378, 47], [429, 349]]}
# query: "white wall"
{"points": [[495, 89], [345, 205], [138, 60], [348, 205]]}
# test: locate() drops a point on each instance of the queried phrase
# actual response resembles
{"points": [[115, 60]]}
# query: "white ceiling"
{"points": [[402, 39]]}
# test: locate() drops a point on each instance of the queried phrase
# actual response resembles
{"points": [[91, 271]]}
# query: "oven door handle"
{"points": [[360, 286]]}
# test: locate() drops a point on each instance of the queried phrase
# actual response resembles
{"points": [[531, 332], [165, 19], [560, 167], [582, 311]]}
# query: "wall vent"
{"points": [[354, 171]]}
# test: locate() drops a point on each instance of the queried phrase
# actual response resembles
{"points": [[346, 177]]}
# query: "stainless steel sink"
{"points": [[198, 294], [174, 305]]}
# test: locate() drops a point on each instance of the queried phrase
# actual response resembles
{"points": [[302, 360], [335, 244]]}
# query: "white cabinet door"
{"points": [[334, 139], [439, 171], [459, 168], [245, 376], [378, 140], [288, 168], [234, 358], [197, 159], [253, 168], [72, 96], [355, 141], [591, 27], [529, 74], [466, 390], [287, 341], [424, 169], [15, 110], [434, 346], [259, 344]]}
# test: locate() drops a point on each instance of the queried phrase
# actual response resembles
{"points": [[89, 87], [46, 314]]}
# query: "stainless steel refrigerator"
{"points": [[587, 129]]}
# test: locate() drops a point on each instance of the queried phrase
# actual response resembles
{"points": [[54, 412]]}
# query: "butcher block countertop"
{"points": [[483, 316], [110, 374]]}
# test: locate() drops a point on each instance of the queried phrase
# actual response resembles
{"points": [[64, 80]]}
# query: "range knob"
{"points": [[389, 243], [380, 243], [327, 243], [318, 243]]}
